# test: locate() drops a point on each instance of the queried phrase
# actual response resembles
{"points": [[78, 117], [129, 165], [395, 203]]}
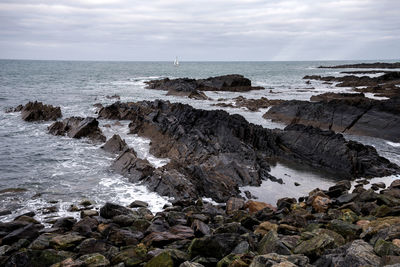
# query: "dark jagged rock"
{"points": [[330, 96], [110, 210], [250, 104], [37, 111], [376, 65], [77, 127], [360, 116], [212, 153], [332, 151], [115, 144], [233, 83]]}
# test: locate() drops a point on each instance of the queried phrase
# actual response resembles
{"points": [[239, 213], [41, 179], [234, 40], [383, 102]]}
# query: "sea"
{"points": [[47, 174]]}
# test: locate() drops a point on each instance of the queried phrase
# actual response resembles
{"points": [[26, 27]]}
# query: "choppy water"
{"points": [[58, 171]]}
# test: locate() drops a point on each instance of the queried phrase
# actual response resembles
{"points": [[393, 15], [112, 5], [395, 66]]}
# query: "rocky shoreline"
{"points": [[211, 155], [334, 227]]}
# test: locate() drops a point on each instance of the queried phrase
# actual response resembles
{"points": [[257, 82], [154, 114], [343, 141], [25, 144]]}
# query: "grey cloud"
{"points": [[199, 30]]}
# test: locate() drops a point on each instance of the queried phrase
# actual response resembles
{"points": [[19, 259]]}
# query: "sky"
{"points": [[220, 30]]}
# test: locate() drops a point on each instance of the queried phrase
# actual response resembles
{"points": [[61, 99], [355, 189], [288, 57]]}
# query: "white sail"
{"points": [[176, 62]]}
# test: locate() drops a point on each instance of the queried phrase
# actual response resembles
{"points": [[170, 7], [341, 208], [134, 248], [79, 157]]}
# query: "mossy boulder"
{"points": [[66, 241], [130, 255], [94, 260], [383, 248], [315, 246], [348, 230]]}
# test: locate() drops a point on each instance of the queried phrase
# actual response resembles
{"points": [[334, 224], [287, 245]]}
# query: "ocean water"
{"points": [[58, 171]]}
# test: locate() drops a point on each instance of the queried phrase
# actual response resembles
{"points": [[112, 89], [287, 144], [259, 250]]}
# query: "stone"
{"points": [[66, 241], [215, 246], [30, 232], [321, 204], [89, 213], [270, 243], [109, 210], [255, 206], [273, 259], [94, 260], [138, 204], [383, 248], [130, 255], [265, 227], [315, 246], [356, 253], [115, 144], [234, 204], [200, 228], [347, 230], [77, 127], [168, 257], [37, 111]]}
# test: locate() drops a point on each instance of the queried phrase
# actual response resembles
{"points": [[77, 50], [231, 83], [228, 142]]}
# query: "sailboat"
{"points": [[176, 62]]}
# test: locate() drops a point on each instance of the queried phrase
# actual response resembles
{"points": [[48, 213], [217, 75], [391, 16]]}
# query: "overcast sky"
{"points": [[200, 30]]}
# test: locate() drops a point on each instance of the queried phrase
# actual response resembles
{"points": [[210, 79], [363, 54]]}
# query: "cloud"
{"points": [[199, 30]]}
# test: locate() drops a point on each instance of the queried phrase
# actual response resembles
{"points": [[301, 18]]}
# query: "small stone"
{"points": [[138, 204], [234, 204], [296, 184], [321, 204], [89, 213]]}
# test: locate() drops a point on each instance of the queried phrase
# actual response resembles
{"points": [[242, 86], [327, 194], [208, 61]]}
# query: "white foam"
{"points": [[393, 144]]}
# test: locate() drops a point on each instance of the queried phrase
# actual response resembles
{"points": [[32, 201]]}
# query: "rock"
{"points": [[265, 227], [356, 253], [333, 153], [42, 241], [251, 104], [138, 204], [65, 223], [376, 65], [270, 243], [234, 83], [85, 226], [315, 246], [285, 202], [77, 127], [216, 246], [339, 189], [131, 256], [234, 204], [94, 260], [360, 116], [110, 210], [66, 241], [37, 111], [330, 96], [30, 232], [191, 264], [169, 257], [92, 245], [321, 204], [255, 206], [129, 165], [347, 230], [273, 259], [115, 144], [162, 238], [89, 213], [122, 237], [383, 248], [200, 228]]}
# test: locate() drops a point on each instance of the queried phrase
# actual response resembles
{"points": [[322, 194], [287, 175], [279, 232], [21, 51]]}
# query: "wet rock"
{"points": [[321, 204], [234, 204], [270, 243], [251, 104], [256, 206], [168, 257], [115, 144], [77, 127], [356, 253], [130, 256], [129, 165], [315, 246], [94, 260], [37, 111], [89, 213], [216, 246], [285, 203], [200, 228], [122, 237], [138, 204], [109, 210], [273, 259], [65, 223], [376, 65], [383, 248], [66, 241], [234, 83], [347, 230], [85, 226], [360, 116], [30, 232]]}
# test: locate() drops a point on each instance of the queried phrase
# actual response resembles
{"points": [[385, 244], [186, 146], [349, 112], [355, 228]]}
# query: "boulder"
{"points": [[115, 144], [37, 111], [356, 253], [77, 127], [110, 210], [216, 246], [274, 259]]}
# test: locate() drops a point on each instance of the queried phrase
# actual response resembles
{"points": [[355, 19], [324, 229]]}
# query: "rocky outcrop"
{"points": [[250, 104], [376, 65], [333, 152], [115, 144], [359, 116], [385, 85], [194, 233], [232, 83], [37, 111], [212, 153], [77, 127], [330, 96]]}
